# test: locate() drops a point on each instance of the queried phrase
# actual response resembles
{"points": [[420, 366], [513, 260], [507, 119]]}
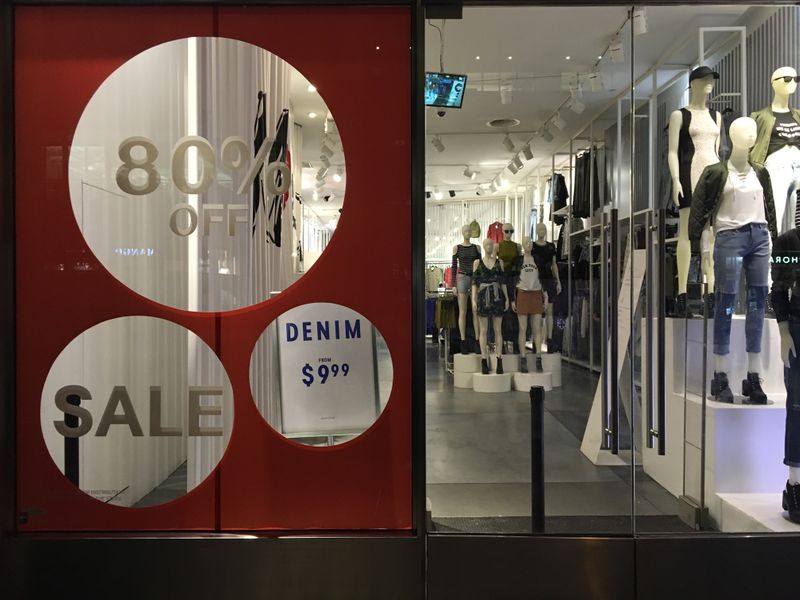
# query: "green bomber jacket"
{"points": [[707, 194], [766, 123]]}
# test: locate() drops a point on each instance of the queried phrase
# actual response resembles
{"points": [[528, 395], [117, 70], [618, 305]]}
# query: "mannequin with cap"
{"points": [[694, 137], [777, 146]]}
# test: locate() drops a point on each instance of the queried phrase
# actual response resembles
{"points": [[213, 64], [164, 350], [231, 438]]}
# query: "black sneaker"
{"points": [[720, 388], [499, 369], [751, 388], [523, 364], [791, 501], [484, 366]]}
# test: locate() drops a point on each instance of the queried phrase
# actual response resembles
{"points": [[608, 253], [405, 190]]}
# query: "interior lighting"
{"points": [[510, 57], [616, 50], [320, 183], [326, 149], [568, 57], [312, 115], [558, 121], [437, 143], [493, 187], [321, 173], [503, 184], [576, 105], [377, 47], [508, 144], [452, 195], [513, 168], [478, 191], [477, 58], [639, 19], [437, 194], [527, 152], [506, 87], [315, 195], [470, 174], [337, 177], [325, 162], [311, 89], [595, 81], [547, 136], [517, 162]]}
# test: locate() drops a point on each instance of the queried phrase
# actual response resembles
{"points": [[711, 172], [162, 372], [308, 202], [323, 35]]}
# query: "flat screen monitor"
{"points": [[444, 89]]}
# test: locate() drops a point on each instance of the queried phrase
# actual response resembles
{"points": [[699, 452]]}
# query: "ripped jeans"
{"points": [[747, 248], [791, 378]]}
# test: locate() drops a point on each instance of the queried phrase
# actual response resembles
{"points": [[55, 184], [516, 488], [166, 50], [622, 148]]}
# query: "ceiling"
{"points": [[539, 40]]}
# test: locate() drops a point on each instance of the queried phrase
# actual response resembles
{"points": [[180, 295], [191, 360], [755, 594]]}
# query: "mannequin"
{"points": [[786, 302], [528, 303], [464, 257], [778, 146], [694, 136], [510, 252], [487, 284], [544, 253], [736, 195]]}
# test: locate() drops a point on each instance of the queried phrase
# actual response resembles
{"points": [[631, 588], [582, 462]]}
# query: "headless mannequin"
{"points": [[698, 103], [489, 260], [783, 190], [535, 320], [541, 240], [743, 136], [463, 297]]}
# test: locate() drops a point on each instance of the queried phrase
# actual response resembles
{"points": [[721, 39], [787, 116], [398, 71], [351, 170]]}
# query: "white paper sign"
{"points": [[328, 370]]}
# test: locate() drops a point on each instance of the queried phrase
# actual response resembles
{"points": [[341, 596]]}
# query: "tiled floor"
{"points": [[479, 462]]}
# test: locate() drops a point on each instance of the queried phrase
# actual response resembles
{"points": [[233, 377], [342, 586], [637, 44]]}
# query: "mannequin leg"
{"points": [[684, 251], [722, 363], [462, 316], [794, 475], [781, 175], [548, 320], [497, 324], [484, 327], [707, 263], [537, 337], [522, 337]]}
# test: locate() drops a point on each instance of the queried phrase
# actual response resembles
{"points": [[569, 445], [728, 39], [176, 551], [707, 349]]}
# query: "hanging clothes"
{"points": [[433, 277], [587, 183], [495, 232], [558, 196]]}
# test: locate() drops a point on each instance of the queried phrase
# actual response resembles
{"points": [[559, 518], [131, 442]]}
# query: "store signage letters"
{"points": [[68, 398], [307, 332]]}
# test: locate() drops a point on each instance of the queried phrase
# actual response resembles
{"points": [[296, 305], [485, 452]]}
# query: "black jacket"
{"points": [[707, 194]]}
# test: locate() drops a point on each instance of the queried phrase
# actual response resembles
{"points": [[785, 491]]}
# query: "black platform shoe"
{"points": [[523, 363], [791, 501], [682, 307], [720, 388], [751, 388], [464, 347], [499, 369], [484, 366]]}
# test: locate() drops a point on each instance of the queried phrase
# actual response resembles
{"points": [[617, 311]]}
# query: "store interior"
{"points": [[561, 166]]}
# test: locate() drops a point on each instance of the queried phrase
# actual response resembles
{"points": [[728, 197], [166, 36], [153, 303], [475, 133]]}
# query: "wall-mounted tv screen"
{"points": [[444, 89]]}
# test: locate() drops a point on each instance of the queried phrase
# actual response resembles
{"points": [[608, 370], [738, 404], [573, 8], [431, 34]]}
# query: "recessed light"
{"points": [[599, 58], [312, 115], [377, 47], [311, 89], [568, 57], [477, 58], [510, 57]]}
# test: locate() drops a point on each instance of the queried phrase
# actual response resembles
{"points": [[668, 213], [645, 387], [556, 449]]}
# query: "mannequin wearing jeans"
{"points": [[786, 302], [464, 256], [488, 281], [778, 146], [733, 195]]}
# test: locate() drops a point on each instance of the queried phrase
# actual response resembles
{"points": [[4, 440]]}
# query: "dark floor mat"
{"points": [[562, 525]]}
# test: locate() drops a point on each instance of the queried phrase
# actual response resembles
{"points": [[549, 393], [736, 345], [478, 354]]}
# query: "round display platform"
{"points": [[466, 363], [462, 380], [523, 382], [551, 362], [492, 383], [510, 363]]}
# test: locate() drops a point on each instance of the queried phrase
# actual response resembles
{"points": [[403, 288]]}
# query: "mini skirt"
{"points": [[530, 303]]}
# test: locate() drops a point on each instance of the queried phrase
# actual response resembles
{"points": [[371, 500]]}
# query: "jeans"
{"points": [[784, 173], [791, 378], [747, 247]]}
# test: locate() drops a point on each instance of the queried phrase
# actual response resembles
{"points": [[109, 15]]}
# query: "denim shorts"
{"points": [[463, 283]]}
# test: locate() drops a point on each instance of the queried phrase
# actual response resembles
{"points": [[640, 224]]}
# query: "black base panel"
{"points": [[731, 567], [499, 568], [284, 569], [583, 525]]}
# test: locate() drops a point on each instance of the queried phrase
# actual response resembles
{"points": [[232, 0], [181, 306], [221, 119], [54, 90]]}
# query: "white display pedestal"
{"points": [[510, 363], [492, 383], [744, 443], [462, 380], [523, 382], [466, 363], [551, 363]]}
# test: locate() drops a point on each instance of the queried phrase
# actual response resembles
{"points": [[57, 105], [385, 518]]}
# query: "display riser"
{"points": [[751, 513], [523, 382], [466, 363], [491, 384], [462, 380], [744, 442]]}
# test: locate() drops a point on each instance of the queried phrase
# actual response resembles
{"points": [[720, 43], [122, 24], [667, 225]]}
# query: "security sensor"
{"points": [[441, 112]]}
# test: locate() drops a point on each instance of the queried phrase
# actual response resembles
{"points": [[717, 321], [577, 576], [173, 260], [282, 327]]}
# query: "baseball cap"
{"points": [[701, 72]]}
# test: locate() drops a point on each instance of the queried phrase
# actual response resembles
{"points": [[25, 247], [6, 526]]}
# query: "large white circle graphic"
{"points": [[137, 411], [206, 173]]}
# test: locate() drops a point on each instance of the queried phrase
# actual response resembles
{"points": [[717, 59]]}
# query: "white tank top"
{"points": [[742, 201], [529, 275]]}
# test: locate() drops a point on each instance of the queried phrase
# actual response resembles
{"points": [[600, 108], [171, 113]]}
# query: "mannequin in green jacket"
{"points": [[777, 146]]}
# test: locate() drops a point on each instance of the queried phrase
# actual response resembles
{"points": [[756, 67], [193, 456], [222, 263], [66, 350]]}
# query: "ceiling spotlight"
{"points": [[326, 149], [616, 50], [595, 81], [437, 194], [545, 134], [512, 168], [470, 174], [639, 18], [493, 187], [477, 58], [319, 183], [337, 177], [510, 57], [321, 173], [527, 152], [576, 105], [558, 121], [568, 57], [503, 184], [325, 161], [428, 197], [452, 194], [508, 144], [311, 89], [437, 143], [478, 191], [517, 162], [315, 195], [506, 88], [312, 115]]}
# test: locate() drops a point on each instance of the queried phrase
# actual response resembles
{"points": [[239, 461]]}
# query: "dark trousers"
{"points": [[791, 378]]}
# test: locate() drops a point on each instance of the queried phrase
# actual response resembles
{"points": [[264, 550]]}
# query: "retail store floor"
{"points": [[479, 463]]}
